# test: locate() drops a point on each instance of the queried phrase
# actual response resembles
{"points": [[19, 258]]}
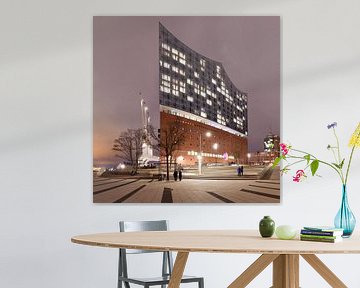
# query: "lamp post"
{"points": [[248, 156], [215, 147], [207, 134]]}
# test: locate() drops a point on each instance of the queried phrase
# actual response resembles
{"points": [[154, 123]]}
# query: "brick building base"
{"points": [[217, 146]]}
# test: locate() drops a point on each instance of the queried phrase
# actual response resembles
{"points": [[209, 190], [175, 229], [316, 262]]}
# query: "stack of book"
{"points": [[321, 234]]}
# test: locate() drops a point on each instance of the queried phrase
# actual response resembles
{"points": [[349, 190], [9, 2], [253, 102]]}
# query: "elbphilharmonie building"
{"points": [[197, 91]]}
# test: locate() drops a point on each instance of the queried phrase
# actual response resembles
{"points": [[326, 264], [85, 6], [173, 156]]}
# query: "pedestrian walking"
{"points": [[175, 174], [242, 171], [180, 174], [238, 170]]}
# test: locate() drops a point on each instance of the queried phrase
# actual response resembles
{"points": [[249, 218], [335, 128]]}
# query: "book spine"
{"points": [[319, 236], [319, 233], [317, 239]]}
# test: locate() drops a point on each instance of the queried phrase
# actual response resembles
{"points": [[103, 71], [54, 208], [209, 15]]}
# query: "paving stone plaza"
{"points": [[214, 186]]}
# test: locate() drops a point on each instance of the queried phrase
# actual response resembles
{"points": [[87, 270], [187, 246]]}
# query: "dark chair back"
{"points": [[137, 226]]}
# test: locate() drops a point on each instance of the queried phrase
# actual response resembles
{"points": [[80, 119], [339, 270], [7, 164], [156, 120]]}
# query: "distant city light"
{"points": [[215, 146], [208, 134], [180, 158], [122, 166]]}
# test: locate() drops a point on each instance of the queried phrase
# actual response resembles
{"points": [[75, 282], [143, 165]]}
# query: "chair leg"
{"points": [[201, 283]]}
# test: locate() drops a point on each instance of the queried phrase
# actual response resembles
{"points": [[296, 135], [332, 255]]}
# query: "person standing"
{"points": [[242, 170], [175, 174], [180, 173], [238, 170]]}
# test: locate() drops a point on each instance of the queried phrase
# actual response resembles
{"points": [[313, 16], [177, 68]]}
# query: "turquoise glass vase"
{"points": [[345, 219]]}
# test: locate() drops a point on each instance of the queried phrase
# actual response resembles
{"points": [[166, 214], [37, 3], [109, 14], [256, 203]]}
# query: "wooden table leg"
{"points": [[324, 271], [178, 269], [286, 271], [253, 270]]}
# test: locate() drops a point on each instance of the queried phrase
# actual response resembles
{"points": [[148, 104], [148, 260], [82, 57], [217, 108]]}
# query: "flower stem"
{"points": [[350, 159], [348, 167], [337, 145], [320, 161]]}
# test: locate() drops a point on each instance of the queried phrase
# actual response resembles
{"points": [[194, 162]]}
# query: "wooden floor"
{"points": [[132, 190]]}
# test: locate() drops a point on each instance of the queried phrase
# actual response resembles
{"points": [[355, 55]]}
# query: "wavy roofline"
{"points": [[161, 26]]}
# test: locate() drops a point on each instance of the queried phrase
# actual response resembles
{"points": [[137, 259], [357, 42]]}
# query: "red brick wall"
{"points": [[233, 145]]}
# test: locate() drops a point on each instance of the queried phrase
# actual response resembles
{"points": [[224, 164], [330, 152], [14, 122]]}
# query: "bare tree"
{"points": [[237, 151], [171, 136], [129, 144]]}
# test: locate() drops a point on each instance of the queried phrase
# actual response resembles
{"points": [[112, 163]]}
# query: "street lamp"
{"points": [[215, 147], [207, 134], [248, 156]]}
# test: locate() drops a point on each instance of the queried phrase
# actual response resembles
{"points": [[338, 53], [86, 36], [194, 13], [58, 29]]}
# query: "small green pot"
{"points": [[267, 227]]}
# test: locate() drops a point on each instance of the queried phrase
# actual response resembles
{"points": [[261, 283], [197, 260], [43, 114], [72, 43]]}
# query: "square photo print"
{"points": [[186, 109]]}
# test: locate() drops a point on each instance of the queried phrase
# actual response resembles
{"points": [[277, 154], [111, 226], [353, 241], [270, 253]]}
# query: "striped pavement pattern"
{"points": [[136, 190]]}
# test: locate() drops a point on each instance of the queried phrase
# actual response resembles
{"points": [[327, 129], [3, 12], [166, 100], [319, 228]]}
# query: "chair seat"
{"points": [[158, 280]]}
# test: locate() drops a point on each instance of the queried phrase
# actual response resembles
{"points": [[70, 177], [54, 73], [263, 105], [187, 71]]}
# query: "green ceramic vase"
{"points": [[267, 227]]}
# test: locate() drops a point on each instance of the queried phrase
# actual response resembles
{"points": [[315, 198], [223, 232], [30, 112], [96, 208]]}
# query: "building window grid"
{"points": [[230, 99]]}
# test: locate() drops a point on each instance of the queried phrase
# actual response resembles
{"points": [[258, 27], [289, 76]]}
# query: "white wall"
{"points": [[46, 138]]}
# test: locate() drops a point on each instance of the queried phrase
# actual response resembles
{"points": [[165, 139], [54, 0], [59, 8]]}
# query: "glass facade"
{"points": [[195, 84]]}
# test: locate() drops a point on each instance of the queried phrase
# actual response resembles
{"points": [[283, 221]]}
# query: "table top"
{"points": [[216, 241]]}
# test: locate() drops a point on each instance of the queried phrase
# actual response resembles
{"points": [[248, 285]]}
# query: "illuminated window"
{"points": [[175, 69], [164, 89], [218, 71], [175, 87], [174, 51], [165, 46], [208, 102], [196, 88], [182, 87], [165, 83], [190, 99], [202, 91], [213, 81], [165, 77], [202, 63], [196, 74], [166, 65], [182, 72], [203, 114]]}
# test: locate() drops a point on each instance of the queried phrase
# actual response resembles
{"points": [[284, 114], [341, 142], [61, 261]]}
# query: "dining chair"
{"points": [[167, 260]]}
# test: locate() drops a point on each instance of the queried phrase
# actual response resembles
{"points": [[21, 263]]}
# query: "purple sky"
{"points": [[126, 62]]}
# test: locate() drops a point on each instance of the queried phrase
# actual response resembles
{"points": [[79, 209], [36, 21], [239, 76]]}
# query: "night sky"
{"points": [[126, 63]]}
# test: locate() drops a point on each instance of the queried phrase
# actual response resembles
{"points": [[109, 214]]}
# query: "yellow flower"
{"points": [[355, 138]]}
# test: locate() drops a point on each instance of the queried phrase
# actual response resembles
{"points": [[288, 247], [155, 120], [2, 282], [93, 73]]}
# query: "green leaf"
{"points": [[339, 166], [307, 157], [276, 162], [342, 163], [336, 165], [314, 166]]}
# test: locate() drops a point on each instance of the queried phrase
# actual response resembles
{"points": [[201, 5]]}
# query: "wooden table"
{"points": [[284, 254]]}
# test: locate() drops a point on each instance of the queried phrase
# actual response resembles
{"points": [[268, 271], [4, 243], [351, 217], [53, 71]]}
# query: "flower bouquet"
{"points": [[291, 156]]}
